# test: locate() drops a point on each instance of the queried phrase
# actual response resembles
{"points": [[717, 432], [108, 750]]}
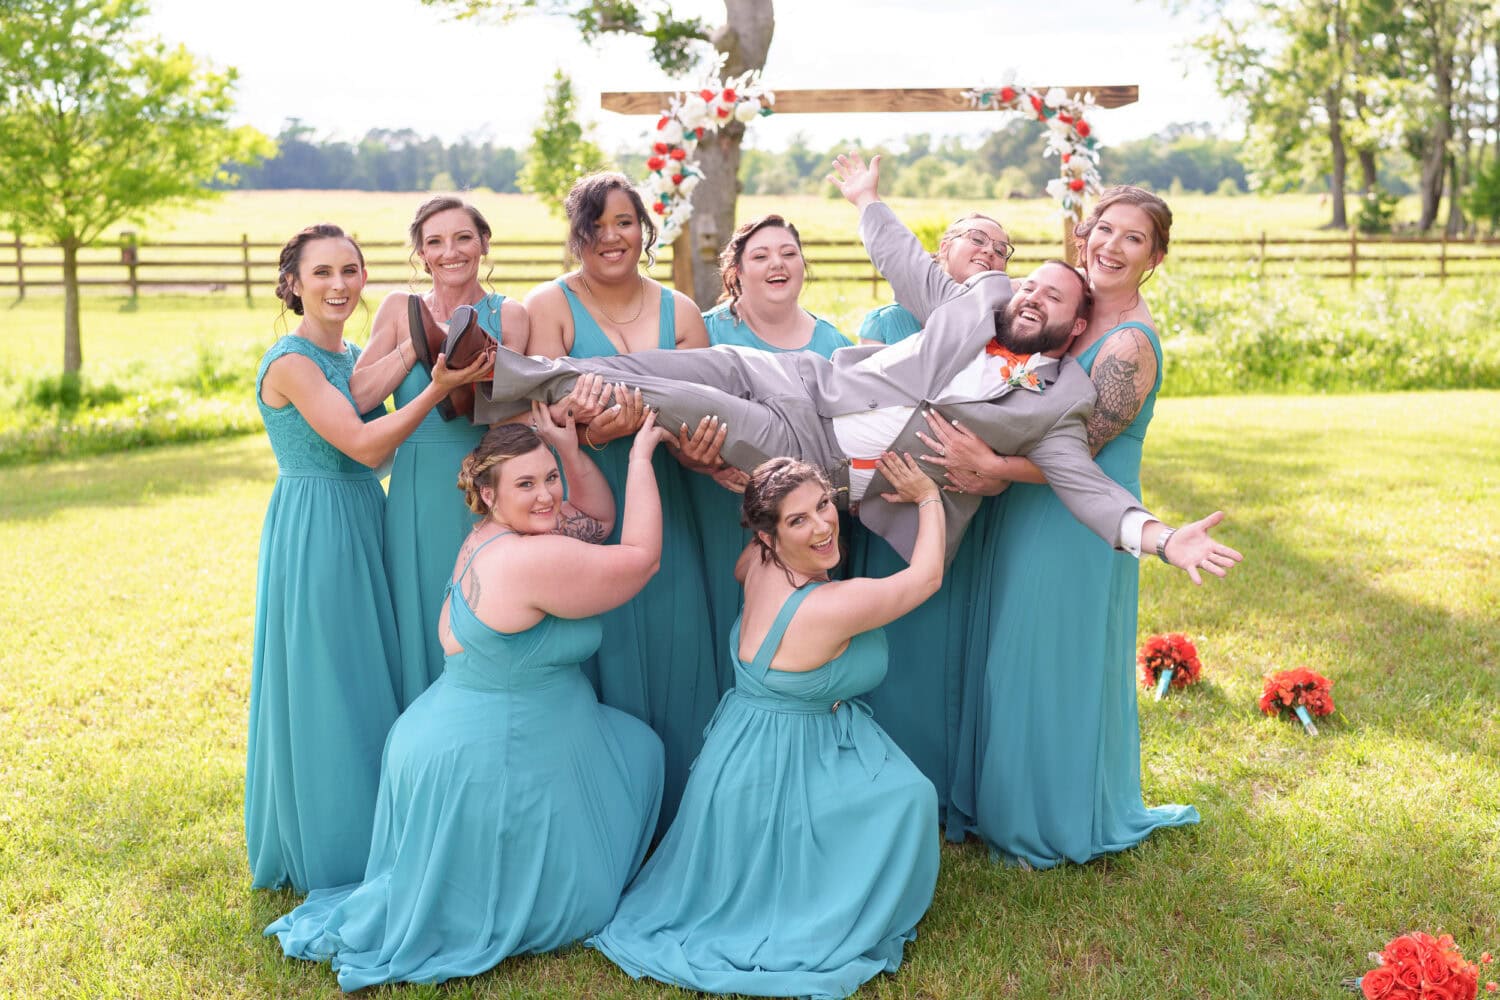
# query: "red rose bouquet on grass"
{"points": [[1168, 660], [1299, 692], [1418, 966]]}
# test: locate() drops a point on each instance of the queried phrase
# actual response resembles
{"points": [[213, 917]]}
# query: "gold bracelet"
{"points": [[590, 441]]}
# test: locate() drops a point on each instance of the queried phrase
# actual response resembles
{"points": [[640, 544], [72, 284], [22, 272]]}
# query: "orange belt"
{"points": [[863, 463]]}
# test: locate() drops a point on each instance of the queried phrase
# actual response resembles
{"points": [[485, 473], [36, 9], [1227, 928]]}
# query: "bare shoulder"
{"points": [[547, 295], [689, 321]]}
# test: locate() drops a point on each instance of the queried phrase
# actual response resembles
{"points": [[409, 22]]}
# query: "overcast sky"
{"points": [[345, 67]]}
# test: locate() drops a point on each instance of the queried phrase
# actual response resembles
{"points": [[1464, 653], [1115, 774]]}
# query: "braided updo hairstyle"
{"points": [[769, 485], [499, 444], [291, 260]]}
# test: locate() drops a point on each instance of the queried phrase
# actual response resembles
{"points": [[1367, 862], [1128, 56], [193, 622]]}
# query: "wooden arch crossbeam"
{"points": [[887, 100]]}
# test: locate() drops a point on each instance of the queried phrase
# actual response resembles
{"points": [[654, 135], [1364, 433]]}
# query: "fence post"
{"points": [[20, 270], [1353, 255], [1443, 260], [130, 257], [245, 262], [1261, 269]]}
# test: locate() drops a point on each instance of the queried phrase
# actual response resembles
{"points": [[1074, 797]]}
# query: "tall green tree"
{"points": [[102, 124], [678, 45], [560, 150]]}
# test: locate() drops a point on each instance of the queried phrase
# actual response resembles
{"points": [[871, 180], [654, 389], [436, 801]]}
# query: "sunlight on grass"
{"points": [[1369, 523]]}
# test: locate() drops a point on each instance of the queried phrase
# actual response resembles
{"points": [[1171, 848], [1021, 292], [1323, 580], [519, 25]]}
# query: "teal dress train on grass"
{"points": [[1051, 765], [325, 662], [805, 851], [717, 510], [656, 661], [513, 810], [918, 703], [426, 521]]}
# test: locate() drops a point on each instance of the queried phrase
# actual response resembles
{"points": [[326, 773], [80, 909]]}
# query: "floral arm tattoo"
{"points": [[576, 524], [1119, 397]]}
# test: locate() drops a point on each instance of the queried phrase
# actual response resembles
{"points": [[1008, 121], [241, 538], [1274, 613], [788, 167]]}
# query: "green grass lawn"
{"points": [[1369, 524]]}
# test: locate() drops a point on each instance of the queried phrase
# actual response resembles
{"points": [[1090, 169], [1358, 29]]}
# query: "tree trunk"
{"points": [[72, 338], [1456, 182], [745, 37], [1435, 155], [1369, 172], [1338, 175]]}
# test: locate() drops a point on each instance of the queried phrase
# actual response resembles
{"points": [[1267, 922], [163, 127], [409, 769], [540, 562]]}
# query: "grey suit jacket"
{"points": [[1047, 427]]}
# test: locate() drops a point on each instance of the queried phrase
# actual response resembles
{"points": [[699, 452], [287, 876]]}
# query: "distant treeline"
{"points": [[1008, 162]]}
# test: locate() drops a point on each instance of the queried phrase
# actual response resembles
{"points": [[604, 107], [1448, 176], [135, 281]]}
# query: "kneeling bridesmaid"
{"points": [[806, 847], [513, 808]]}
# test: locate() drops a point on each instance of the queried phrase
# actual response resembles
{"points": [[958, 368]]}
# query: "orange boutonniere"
{"points": [[1017, 370]]}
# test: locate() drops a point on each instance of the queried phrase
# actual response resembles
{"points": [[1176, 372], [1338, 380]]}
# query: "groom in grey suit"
{"points": [[842, 413]]}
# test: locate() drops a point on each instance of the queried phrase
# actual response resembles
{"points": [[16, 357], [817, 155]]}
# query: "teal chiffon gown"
{"points": [[919, 702], [513, 810], [1050, 769], [656, 661], [325, 662], [805, 851], [716, 510], [426, 521]]}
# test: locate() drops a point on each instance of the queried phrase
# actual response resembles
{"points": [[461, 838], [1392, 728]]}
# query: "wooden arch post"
{"points": [[880, 100]]}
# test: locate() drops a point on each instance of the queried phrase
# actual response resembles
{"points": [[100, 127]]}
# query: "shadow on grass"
{"points": [[146, 475]]}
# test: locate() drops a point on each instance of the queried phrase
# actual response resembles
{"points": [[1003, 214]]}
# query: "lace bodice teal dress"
{"points": [[1051, 765], [325, 661], [716, 510], [805, 850], [426, 521], [656, 661], [918, 703], [513, 810]]}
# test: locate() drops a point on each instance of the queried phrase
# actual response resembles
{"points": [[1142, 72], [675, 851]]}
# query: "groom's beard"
{"points": [[1048, 338]]}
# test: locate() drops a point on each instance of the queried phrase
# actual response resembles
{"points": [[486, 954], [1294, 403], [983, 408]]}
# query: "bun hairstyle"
{"points": [[1128, 194], [499, 444], [291, 260], [769, 486], [442, 203], [584, 206], [732, 257]]}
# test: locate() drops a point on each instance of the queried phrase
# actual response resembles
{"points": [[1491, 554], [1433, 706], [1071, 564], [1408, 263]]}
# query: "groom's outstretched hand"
{"points": [[859, 182], [1190, 548]]}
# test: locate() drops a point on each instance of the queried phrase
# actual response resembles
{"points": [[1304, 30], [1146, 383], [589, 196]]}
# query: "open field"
{"points": [[218, 248], [1369, 522], [375, 215]]}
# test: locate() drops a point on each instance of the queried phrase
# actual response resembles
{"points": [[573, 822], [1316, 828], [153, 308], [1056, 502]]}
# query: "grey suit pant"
{"points": [[766, 403]]}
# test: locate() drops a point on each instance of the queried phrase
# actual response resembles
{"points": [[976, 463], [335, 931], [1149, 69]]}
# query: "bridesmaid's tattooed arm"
{"points": [[1122, 382], [576, 524]]}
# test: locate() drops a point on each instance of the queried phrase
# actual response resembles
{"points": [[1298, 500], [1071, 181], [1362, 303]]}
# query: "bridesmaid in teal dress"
{"points": [[763, 269], [425, 517], [513, 806], [656, 661], [917, 705], [325, 663], [806, 849], [1051, 768]]}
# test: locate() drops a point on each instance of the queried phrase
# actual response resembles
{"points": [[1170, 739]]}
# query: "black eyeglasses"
{"points": [[980, 241]]}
